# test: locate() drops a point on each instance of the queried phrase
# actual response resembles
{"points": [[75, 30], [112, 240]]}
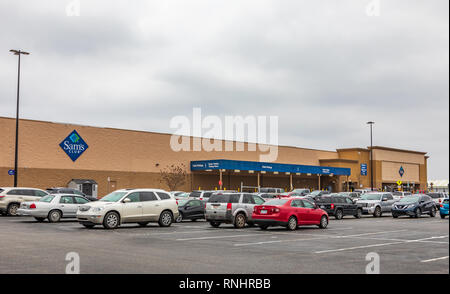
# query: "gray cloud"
{"points": [[324, 67]]}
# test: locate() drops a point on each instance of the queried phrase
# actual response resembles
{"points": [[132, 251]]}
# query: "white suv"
{"points": [[140, 206], [11, 198]]}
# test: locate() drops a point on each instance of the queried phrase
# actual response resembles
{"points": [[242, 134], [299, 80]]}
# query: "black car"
{"points": [[339, 206], [192, 209], [414, 206], [70, 191]]}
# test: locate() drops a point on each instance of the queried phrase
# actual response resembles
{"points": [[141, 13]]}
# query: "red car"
{"points": [[289, 213]]}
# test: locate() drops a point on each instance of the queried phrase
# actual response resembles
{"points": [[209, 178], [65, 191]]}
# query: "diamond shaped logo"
{"points": [[74, 145], [401, 171]]}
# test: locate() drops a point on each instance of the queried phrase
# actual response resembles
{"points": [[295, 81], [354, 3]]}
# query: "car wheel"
{"points": [[292, 223], [143, 224], [358, 213], [417, 212], [433, 212], [179, 218], [377, 212], [339, 214], [54, 216], [442, 216], [263, 227], [40, 219], [214, 224], [250, 224], [239, 221], [194, 219], [111, 220], [88, 226], [12, 209], [323, 222], [165, 219], [394, 215]]}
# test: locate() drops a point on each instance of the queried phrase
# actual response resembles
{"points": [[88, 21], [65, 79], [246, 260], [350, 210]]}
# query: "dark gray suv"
{"points": [[231, 208]]}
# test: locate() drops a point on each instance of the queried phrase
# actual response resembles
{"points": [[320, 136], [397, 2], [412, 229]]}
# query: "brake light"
{"points": [[275, 210], [32, 206], [228, 206], [332, 206], [440, 200], [442, 205], [177, 202]]}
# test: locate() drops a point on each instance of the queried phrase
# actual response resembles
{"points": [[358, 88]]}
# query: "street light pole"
{"points": [[371, 123], [16, 149]]}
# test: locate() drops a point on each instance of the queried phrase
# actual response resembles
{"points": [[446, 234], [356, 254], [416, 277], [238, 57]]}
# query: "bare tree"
{"points": [[173, 176]]}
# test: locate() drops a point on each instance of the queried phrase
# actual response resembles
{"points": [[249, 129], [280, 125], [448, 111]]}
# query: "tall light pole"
{"points": [[371, 123], [16, 151]]}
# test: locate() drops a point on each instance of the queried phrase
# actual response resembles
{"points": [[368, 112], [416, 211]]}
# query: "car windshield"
{"points": [[276, 202], [113, 197], [397, 194], [445, 201], [47, 198], [410, 199], [195, 194], [315, 193], [267, 196], [434, 195], [183, 194], [182, 202], [368, 196], [224, 198]]}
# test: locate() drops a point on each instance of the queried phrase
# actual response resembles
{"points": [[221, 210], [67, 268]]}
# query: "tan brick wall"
{"points": [[135, 158], [118, 150], [390, 172]]}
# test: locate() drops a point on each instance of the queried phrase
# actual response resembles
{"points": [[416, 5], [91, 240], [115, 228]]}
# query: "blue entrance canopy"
{"points": [[266, 166]]}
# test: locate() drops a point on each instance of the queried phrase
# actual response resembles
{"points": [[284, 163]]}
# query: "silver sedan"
{"points": [[53, 207]]}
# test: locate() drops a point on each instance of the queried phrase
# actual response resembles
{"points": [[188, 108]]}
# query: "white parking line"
{"points": [[217, 237], [401, 240], [378, 245], [434, 259], [319, 237]]}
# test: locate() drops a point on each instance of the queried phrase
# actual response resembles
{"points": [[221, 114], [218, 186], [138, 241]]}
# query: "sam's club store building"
{"points": [[100, 160]]}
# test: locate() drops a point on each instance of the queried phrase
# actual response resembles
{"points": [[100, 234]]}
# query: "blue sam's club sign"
{"points": [[401, 171], [74, 145], [363, 169]]}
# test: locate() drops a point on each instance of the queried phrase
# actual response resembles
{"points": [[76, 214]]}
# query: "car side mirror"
{"points": [[126, 200], [385, 199]]}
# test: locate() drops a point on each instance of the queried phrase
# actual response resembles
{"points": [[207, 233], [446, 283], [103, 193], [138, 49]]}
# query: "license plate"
{"points": [[263, 211], [322, 206]]}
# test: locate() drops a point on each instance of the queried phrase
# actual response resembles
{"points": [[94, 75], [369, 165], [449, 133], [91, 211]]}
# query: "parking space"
{"points": [[404, 245]]}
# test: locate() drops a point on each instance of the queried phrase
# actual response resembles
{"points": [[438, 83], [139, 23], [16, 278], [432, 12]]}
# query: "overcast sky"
{"points": [[324, 67]]}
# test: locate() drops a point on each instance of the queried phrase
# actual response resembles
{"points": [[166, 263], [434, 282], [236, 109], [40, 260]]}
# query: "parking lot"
{"points": [[404, 245]]}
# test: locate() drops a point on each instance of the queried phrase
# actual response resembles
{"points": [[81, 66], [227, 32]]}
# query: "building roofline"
{"points": [[352, 149], [398, 150], [158, 133], [380, 148]]}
